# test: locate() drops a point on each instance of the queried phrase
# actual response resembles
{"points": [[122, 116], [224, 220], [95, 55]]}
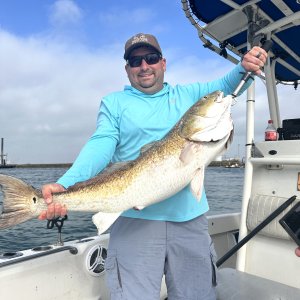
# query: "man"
{"points": [[169, 237]]}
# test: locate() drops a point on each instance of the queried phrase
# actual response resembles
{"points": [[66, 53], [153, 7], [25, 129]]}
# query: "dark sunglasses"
{"points": [[150, 59]]}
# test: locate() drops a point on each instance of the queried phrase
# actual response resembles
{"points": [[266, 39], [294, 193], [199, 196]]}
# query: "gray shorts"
{"points": [[141, 251]]}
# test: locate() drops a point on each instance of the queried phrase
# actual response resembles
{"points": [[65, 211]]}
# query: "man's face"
{"points": [[146, 78]]}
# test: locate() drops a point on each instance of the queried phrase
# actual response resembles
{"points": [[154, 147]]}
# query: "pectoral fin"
{"points": [[104, 220], [189, 152], [196, 184]]}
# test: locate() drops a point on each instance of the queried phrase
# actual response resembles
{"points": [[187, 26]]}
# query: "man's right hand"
{"points": [[53, 210]]}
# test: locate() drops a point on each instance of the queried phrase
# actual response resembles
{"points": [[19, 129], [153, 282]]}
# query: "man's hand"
{"points": [[254, 60], [54, 210], [297, 251]]}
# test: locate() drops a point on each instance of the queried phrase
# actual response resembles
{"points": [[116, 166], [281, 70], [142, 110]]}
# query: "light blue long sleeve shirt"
{"points": [[128, 120]]}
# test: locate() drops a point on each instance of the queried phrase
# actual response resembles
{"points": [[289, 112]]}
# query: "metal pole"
{"points": [[2, 154]]}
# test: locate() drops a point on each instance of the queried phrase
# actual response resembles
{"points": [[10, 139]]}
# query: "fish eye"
{"points": [[34, 200]]}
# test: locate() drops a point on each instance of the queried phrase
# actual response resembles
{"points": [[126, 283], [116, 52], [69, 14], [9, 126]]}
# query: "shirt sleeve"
{"points": [[227, 84], [98, 151], [230, 81]]}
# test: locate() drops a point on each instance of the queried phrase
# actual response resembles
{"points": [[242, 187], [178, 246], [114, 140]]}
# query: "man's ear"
{"points": [[164, 64], [126, 68]]}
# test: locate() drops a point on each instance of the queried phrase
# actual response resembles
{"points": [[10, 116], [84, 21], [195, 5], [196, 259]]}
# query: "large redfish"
{"points": [[162, 169]]}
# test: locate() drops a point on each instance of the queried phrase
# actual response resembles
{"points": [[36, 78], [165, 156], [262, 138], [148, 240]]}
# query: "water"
{"points": [[223, 188]]}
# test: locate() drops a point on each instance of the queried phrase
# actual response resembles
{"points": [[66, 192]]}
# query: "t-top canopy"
{"points": [[232, 23]]}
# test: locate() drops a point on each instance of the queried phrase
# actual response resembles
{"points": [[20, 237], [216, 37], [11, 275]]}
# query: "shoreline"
{"points": [[223, 163], [64, 165]]}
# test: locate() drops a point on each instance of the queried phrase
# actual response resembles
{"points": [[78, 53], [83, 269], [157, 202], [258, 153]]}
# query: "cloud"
{"points": [[49, 96], [120, 22], [189, 68], [65, 12]]}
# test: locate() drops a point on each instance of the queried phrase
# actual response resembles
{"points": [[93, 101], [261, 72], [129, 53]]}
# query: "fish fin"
{"points": [[17, 197], [188, 152], [196, 184], [104, 220], [230, 139]]}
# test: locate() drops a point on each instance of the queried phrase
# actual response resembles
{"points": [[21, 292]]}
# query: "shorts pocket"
{"points": [[214, 270], [113, 276]]}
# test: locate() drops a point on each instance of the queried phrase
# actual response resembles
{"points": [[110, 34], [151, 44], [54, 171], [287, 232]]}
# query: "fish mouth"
{"points": [[220, 97]]}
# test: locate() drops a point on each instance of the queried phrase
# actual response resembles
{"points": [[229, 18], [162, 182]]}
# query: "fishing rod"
{"points": [[267, 45], [257, 229]]}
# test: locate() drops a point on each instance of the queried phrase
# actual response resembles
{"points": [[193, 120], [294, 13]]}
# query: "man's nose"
{"points": [[144, 64]]}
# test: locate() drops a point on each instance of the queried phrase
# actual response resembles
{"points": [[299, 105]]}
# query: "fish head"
{"points": [[209, 119]]}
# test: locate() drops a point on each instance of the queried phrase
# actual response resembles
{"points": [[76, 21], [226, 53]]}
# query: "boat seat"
{"points": [[237, 285]]}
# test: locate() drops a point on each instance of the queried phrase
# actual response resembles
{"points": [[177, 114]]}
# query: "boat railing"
{"points": [[15, 258], [275, 160]]}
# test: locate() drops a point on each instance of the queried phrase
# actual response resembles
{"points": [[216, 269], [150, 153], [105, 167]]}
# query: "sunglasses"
{"points": [[150, 59]]}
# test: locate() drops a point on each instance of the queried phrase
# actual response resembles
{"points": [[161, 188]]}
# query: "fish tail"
{"points": [[16, 201]]}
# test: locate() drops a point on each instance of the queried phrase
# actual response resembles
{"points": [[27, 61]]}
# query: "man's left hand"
{"points": [[254, 60]]}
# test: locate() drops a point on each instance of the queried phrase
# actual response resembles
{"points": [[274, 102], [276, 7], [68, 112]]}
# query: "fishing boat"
{"points": [[256, 254]]}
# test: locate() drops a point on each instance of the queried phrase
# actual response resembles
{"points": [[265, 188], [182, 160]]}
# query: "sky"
{"points": [[59, 58]]}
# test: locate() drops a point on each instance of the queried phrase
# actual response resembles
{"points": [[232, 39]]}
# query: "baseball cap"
{"points": [[141, 39]]}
